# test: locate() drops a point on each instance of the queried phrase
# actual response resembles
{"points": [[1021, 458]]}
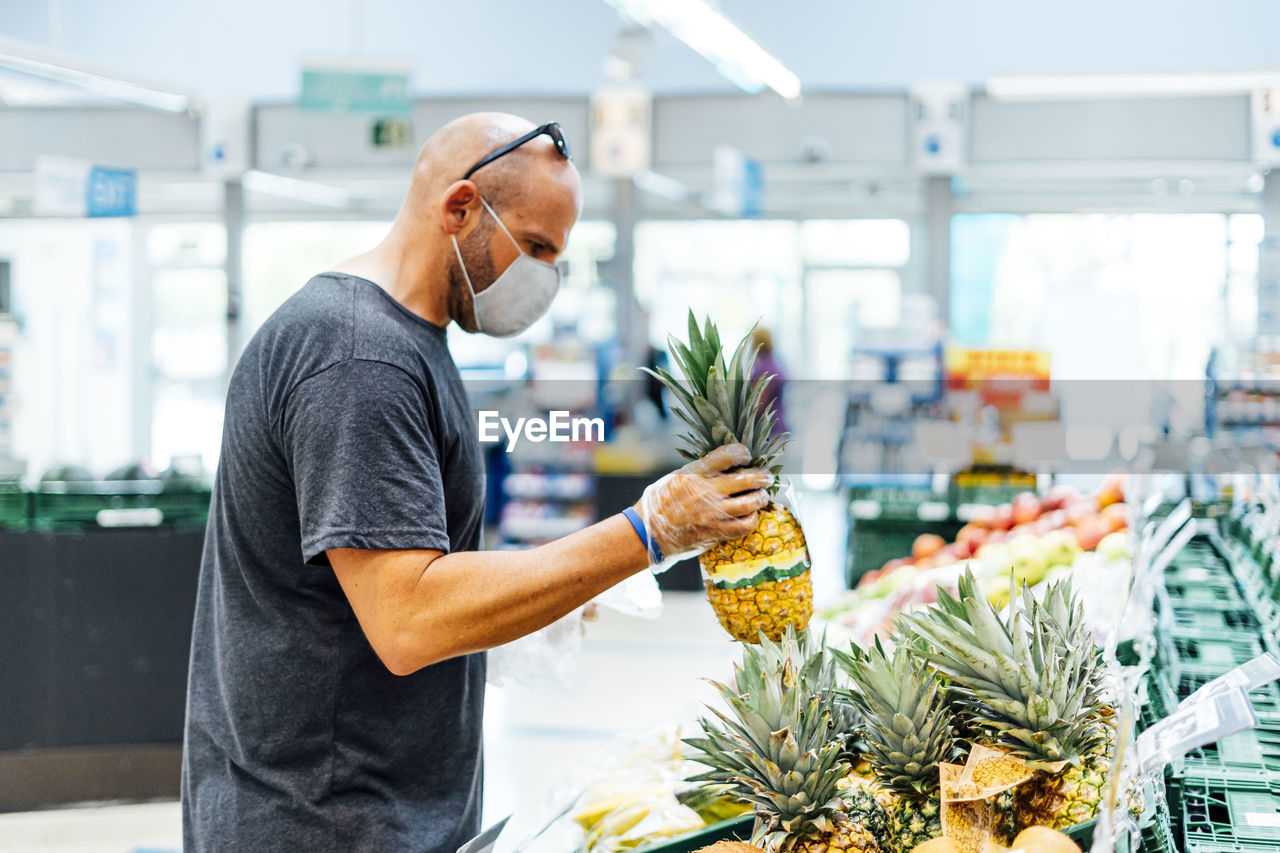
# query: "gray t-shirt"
{"points": [[347, 426]]}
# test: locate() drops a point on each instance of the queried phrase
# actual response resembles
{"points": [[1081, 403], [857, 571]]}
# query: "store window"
{"points": [[821, 286], [1244, 234], [73, 359], [1137, 296], [280, 257], [189, 358]]}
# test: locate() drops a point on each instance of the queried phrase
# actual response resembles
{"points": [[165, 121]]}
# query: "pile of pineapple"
{"points": [[839, 751]]}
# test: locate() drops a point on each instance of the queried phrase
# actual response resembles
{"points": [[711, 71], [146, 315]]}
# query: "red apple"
{"points": [[1083, 508], [1054, 519], [1044, 524], [963, 548], [926, 545], [1089, 532], [1026, 508], [1002, 519], [1058, 497], [995, 537], [1116, 516]]}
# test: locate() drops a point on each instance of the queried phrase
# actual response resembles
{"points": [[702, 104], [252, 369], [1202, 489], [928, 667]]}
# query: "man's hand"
{"points": [[701, 505]]}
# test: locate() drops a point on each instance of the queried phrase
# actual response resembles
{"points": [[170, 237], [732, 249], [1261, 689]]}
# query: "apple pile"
{"points": [[1031, 534]]}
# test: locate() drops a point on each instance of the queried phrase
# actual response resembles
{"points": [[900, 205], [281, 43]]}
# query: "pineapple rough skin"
{"points": [[771, 605]]}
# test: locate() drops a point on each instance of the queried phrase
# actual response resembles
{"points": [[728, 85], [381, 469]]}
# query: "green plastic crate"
{"points": [[109, 503], [1242, 759], [1210, 656], [15, 510], [735, 829], [898, 502], [1226, 621], [1215, 814], [874, 542]]}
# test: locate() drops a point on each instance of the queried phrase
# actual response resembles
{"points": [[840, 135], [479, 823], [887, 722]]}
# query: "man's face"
{"points": [[539, 217]]}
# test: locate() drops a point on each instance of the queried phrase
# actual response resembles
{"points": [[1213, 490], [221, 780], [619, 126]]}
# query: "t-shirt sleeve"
{"points": [[364, 461]]}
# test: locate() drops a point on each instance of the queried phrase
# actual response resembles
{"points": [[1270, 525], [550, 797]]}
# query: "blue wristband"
{"points": [[638, 524]]}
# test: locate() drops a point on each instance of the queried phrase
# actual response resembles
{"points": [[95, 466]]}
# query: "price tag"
{"points": [[141, 517], [1164, 532], [1166, 556], [933, 511], [865, 509], [1247, 676], [1192, 727]]}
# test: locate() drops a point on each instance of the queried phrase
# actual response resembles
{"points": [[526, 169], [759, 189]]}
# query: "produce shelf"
{"points": [[1214, 813], [735, 829]]}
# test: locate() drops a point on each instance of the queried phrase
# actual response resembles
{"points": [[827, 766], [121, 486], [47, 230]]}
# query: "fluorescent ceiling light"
{"points": [[296, 189], [37, 62], [662, 186], [1084, 86], [734, 54]]}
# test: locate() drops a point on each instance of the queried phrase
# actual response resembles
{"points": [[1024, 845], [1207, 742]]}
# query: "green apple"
{"points": [[1116, 546], [1059, 548]]}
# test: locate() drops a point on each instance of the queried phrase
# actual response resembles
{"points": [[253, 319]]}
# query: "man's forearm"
{"points": [[417, 613]]}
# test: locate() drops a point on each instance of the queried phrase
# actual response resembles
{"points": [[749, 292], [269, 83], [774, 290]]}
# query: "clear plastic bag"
{"points": [[551, 659], [708, 501]]}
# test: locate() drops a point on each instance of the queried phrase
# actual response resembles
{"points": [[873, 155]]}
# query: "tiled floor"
{"points": [[638, 675]]}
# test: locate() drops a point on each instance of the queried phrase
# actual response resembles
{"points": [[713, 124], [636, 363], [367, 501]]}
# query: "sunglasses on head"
{"points": [[551, 129]]}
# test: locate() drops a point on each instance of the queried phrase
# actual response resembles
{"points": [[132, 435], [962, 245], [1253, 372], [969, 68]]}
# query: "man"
{"points": [[337, 667]]}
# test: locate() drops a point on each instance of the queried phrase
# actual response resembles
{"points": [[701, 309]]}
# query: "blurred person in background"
{"points": [[766, 365]]}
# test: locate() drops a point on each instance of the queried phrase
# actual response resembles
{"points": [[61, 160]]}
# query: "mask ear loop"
{"points": [[467, 277], [501, 225]]}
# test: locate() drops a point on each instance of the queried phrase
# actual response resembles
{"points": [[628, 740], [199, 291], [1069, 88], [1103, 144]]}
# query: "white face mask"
{"points": [[516, 298]]}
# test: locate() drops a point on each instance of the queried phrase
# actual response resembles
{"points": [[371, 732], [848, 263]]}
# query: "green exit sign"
{"points": [[356, 88]]}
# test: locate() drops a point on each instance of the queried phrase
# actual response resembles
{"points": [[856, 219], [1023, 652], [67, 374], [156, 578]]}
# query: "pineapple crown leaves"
{"points": [[773, 743], [719, 401], [1013, 674], [908, 725]]}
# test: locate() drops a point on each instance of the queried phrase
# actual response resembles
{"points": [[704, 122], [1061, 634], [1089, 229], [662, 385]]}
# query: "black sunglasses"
{"points": [[551, 129]]}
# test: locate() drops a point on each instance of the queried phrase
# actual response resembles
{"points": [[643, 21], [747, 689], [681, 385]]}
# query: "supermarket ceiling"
{"points": [[253, 49]]}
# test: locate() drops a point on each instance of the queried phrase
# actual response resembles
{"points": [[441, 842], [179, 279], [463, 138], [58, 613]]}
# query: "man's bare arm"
{"points": [[420, 607]]}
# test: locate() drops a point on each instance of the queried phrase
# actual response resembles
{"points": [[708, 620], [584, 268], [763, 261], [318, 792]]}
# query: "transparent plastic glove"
{"points": [[703, 504]]}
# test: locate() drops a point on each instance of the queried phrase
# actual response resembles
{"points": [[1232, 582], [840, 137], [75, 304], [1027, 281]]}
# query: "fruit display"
{"points": [[1023, 682], [908, 734], [644, 799], [759, 582], [1028, 541]]}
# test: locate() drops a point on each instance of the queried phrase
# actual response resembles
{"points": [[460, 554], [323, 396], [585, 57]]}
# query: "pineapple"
{"points": [[1033, 686], [774, 746], [758, 583], [908, 733]]}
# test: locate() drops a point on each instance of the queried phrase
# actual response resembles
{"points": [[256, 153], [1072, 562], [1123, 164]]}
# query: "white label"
{"points": [[1166, 556], [1261, 819], [1194, 726], [141, 517], [864, 509], [933, 511]]}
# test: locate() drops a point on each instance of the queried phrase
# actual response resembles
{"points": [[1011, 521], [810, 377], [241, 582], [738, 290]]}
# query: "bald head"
{"points": [[454, 236], [457, 146]]}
